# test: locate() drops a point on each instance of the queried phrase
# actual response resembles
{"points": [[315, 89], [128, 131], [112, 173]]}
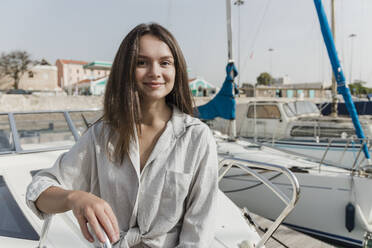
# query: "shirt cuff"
{"points": [[38, 186]]}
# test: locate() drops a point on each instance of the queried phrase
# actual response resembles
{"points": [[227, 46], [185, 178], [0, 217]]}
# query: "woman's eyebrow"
{"points": [[167, 57], [163, 57]]}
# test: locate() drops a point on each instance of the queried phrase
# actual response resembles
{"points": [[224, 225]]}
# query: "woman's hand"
{"points": [[90, 208]]}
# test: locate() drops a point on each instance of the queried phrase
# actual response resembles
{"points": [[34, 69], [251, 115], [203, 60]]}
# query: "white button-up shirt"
{"points": [[171, 203]]}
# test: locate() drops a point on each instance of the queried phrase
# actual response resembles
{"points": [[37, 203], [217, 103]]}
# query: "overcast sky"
{"points": [[93, 29]]}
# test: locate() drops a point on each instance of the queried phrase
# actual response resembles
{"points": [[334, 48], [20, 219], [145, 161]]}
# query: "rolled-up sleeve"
{"points": [[198, 226], [72, 170]]}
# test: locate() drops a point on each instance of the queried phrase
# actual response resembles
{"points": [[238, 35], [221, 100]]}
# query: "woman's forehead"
{"points": [[150, 45]]}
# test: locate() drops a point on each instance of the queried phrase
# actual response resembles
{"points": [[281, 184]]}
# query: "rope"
{"points": [[249, 187], [256, 34]]}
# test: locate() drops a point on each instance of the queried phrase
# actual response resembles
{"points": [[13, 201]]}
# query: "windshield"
{"points": [[43, 130], [300, 108], [83, 119], [6, 139]]}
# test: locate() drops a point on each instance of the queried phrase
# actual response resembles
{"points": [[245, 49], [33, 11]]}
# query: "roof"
{"points": [[66, 61], [100, 65], [194, 83]]}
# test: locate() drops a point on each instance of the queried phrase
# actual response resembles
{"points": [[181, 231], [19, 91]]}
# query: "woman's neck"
{"points": [[155, 113]]}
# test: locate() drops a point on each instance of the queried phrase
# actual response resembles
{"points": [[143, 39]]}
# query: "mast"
{"points": [[340, 78], [224, 104], [334, 84], [232, 123], [239, 3]]}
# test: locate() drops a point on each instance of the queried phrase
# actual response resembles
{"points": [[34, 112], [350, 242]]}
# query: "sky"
{"points": [[92, 30]]}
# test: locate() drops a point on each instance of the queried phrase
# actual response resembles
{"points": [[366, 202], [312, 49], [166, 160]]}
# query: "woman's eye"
{"points": [[166, 63], [141, 63]]}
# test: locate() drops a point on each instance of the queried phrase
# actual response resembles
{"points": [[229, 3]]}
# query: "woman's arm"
{"points": [[198, 226], [65, 187], [86, 207]]}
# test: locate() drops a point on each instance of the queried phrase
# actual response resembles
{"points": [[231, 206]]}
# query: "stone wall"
{"points": [[13, 103]]}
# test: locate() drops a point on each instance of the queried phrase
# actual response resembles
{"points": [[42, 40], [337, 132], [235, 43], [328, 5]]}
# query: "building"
{"points": [[71, 72], [200, 87], [282, 81], [95, 83], [40, 78], [300, 90], [88, 87], [37, 78]]}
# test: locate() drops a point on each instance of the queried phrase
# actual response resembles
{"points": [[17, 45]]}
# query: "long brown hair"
{"points": [[121, 103]]}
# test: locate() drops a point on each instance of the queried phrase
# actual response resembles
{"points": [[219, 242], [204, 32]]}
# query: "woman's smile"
{"points": [[153, 85]]}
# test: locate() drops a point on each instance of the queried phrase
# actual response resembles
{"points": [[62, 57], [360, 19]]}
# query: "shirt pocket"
{"points": [[175, 190]]}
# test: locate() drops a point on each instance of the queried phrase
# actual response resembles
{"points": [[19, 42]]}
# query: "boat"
{"points": [[31, 141], [334, 206], [299, 127]]}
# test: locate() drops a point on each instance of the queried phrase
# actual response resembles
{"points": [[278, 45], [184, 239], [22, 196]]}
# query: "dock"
{"points": [[288, 237]]}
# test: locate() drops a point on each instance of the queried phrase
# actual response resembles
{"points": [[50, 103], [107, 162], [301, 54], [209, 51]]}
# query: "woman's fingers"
{"points": [[107, 226], [98, 213], [84, 229], [114, 222], [95, 226]]}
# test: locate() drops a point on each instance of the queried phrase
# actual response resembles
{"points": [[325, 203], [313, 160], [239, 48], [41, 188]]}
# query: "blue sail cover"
{"points": [[223, 104], [338, 72]]}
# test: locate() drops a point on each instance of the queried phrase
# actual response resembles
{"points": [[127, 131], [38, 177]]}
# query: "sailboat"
{"points": [[31, 141], [334, 206]]}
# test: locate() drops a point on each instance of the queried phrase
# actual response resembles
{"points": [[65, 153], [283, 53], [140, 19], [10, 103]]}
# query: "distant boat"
{"points": [[298, 126], [362, 107], [335, 203]]}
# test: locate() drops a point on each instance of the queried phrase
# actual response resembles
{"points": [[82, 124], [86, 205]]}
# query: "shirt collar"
{"points": [[180, 121]]}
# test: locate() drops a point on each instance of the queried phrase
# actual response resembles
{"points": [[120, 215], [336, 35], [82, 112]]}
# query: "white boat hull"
{"points": [[325, 192]]}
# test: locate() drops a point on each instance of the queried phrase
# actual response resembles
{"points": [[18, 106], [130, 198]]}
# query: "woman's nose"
{"points": [[154, 70]]}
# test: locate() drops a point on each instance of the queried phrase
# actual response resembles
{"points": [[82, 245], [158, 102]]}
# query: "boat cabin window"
{"points": [[322, 132], [12, 221], [43, 131], [264, 112], [83, 119], [300, 108], [6, 138], [304, 131]]}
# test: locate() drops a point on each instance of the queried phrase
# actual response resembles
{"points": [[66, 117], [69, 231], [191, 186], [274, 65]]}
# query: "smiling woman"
{"points": [[146, 172], [155, 72]]}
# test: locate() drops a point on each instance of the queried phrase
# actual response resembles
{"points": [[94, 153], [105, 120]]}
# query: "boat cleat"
{"points": [[367, 242]]}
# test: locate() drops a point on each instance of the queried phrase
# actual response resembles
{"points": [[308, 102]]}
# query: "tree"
{"points": [[15, 64], [357, 88], [264, 79]]}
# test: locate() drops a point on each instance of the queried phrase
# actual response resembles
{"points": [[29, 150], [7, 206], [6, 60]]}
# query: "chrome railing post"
{"points": [[290, 203], [44, 232]]}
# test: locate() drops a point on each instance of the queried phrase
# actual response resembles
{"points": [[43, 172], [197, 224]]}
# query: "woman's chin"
{"points": [[155, 95]]}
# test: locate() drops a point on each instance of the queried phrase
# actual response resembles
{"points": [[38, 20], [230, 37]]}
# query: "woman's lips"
{"points": [[153, 85]]}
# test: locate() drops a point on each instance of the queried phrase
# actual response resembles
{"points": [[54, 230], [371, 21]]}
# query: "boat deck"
{"points": [[288, 237]]}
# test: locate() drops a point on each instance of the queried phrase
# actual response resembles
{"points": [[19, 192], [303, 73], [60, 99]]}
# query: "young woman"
{"points": [[146, 173]]}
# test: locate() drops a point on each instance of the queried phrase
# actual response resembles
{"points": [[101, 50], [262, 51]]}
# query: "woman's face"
{"points": [[155, 71]]}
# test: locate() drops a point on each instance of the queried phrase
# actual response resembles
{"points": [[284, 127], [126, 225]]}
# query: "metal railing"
{"points": [[44, 232], [351, 144], [226, 164], [46, 226]]}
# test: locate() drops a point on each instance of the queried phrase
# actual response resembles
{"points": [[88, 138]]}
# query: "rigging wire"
{"points": [[168, 20], [255, 36], [361, 43]]}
